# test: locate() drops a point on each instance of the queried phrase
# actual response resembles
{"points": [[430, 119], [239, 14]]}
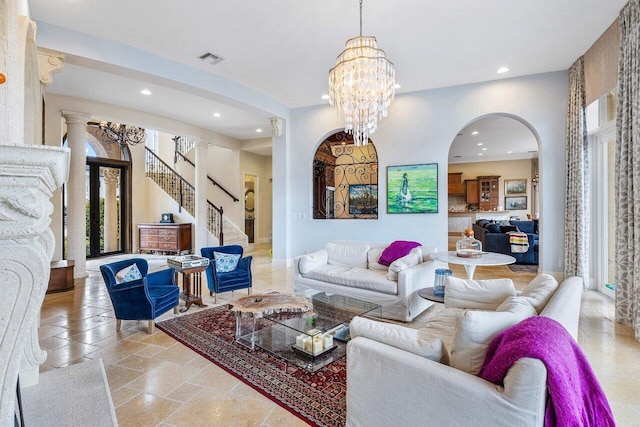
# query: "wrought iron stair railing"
{"points": [[182, 147], [182, 192]]}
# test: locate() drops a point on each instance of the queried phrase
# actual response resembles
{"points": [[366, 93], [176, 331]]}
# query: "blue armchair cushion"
{"points": [[225, 262], [128, 274]]}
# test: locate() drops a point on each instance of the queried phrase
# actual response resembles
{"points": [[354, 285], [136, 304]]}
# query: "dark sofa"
{"points": [[494, 239]]}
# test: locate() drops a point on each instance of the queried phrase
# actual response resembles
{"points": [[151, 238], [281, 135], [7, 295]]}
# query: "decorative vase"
{"points": [[438, 283], [468, 246]]}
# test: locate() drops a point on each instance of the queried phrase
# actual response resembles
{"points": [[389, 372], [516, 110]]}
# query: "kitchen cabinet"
{"points": [[455, 184], [473, 194], [489, 187]]}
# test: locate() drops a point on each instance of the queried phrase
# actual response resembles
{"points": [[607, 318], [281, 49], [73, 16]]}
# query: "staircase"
{"points": [[183, 193], [233, 235]]}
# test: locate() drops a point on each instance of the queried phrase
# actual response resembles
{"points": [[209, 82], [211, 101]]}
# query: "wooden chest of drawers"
{"points": [[165, 237]]}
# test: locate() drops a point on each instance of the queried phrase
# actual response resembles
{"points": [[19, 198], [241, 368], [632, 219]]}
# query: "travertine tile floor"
{"points": [[156, 381]]}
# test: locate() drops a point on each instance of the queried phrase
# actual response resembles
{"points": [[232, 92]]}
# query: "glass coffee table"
{"points": [[309, 340]]}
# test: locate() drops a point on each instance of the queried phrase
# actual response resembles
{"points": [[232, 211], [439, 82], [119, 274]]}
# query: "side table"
{"points": [[61, 277], [427, 293], [191, 285]]}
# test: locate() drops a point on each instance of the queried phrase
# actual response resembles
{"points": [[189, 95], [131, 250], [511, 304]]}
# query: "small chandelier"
{"points": [[362, 85], [112, 133]]}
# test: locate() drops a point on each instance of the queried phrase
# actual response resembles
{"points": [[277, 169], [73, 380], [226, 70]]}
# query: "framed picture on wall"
{"points": [[363, 199], [412, 188], [515, 203], [515, 186]]}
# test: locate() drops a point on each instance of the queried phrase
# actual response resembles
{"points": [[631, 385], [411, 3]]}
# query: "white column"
{"points": [[76, 191], [281, 169], [111, 241], [201, 185]]}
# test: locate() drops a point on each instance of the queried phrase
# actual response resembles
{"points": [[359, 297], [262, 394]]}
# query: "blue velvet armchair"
{"points": [[219, 282], [142, 299]]}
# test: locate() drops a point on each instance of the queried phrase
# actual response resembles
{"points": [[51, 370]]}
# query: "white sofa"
{"points": [[402, 376], [351, 268]]}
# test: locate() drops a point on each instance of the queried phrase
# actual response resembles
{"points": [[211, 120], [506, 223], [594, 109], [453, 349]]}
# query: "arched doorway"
{"points": [[494, 176], [108, 195]]}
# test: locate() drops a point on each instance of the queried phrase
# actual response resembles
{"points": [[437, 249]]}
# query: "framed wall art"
{"points": [[515, 203], [363, 199], [412, 188], [515, 186]]}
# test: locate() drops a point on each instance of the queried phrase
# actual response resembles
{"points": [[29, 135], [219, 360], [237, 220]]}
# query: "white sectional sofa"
{"points": [[407, 377], [351, 268]]}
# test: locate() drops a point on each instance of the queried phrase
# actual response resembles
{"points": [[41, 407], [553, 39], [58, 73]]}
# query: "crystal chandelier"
{"points": [[111, 133], [362, 85]]}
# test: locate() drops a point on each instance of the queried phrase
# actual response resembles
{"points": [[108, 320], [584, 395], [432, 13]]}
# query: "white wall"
{"points": [[420, 129]]}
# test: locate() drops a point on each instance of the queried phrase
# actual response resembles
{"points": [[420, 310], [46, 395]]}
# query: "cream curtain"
{"points": [[576, 235], [628, 170]]}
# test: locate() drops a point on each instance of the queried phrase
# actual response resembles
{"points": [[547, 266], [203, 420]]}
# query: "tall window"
{"points": [[602, 139], [345, 179]]}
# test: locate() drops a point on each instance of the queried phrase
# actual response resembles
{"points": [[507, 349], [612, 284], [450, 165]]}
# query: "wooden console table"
{"points": [[170, 237]]}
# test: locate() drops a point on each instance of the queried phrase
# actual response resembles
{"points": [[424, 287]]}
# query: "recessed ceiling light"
{"points": [[145, 92], [484, 149], [509, 152], [475, 132], [479, 154], [325, 96], [397, 86], [480, 143], [502, 70], [217, 115], [259, 130]]}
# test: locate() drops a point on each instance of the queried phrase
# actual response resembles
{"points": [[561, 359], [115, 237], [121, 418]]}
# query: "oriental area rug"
{"points": [[319, 398]]}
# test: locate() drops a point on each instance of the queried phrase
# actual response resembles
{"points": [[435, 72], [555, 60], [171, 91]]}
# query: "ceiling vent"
{"points": [[211, 59]]}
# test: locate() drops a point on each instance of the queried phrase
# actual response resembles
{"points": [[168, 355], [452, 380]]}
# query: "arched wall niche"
{"points": [[345, 179]]}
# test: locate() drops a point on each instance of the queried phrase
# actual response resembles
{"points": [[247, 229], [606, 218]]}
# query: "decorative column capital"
{"points": [[276, 125], [110, 175], [76, 118], [49, 63]]}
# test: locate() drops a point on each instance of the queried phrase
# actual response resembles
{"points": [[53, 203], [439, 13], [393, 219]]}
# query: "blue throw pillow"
{"points": [[225, 262], [493, 228], [128, 274]]}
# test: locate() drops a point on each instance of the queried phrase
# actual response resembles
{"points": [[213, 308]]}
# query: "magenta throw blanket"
{"points": [[396, 250], [575, 396]]}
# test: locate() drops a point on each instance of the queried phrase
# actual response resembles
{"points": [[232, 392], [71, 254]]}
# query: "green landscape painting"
{"points": [[412, 189]]}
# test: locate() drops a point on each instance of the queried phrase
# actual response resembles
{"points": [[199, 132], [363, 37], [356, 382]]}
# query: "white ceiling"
{"points": [[284, 48], [501, 138]]}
